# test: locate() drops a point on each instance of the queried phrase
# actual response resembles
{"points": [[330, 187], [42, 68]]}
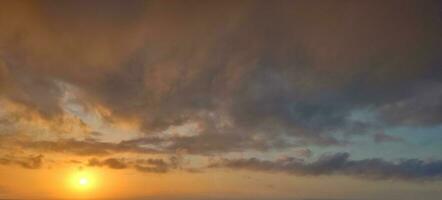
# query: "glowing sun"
{"points": [[83, 181]]}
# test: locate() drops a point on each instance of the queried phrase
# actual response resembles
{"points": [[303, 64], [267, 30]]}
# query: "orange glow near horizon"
{"points": [[83, 183]]}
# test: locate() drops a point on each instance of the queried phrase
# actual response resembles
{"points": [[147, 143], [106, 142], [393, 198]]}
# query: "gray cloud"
{"points": [[303, 153], [382, 137], [110, 162], [205, 144], [422, 108], [83, 147], [150, 165], [153, 165], [340, 164], [29, 162], [253, 75]]}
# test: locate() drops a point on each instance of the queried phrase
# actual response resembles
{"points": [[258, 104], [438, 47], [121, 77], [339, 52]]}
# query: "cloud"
{"points": [[382, 137], [153, 165], [29, 162], [252, 75], [340, 164], [422, 108], [112, 163], [84, 147], [150, 165], [303, 153]]}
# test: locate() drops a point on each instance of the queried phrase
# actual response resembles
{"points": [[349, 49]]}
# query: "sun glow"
{"points": [[83, 180]]}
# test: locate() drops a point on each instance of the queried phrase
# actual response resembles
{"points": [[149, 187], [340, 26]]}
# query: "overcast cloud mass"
{"points": [[298, 87]]}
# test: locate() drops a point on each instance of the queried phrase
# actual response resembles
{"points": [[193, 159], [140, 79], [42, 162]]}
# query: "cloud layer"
{"points": [[210, 78]]}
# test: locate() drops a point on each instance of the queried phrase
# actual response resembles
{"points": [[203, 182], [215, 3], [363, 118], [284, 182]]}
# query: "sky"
{"points": [[221, 100]]}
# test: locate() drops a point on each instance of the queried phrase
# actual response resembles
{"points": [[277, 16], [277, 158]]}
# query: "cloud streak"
{"points": [[151, 165], [84, 147], [341, 164], [29, 162], [382, 137]]}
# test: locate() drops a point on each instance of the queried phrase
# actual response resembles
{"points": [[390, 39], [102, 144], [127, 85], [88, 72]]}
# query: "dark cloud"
{"points": [[422, 108], [112, 163], [210, 142], [340, 164], [153, 165], [74, 161], [303, 153], [254, 75], [382, 137], [150, 165], [83, 147], [28, 162], [205, 144]]}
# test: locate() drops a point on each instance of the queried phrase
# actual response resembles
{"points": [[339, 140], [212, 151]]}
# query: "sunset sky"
{"points": [[221, 100]]}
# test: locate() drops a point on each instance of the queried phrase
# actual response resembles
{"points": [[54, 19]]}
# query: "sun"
{"points": [[83, 181]]}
